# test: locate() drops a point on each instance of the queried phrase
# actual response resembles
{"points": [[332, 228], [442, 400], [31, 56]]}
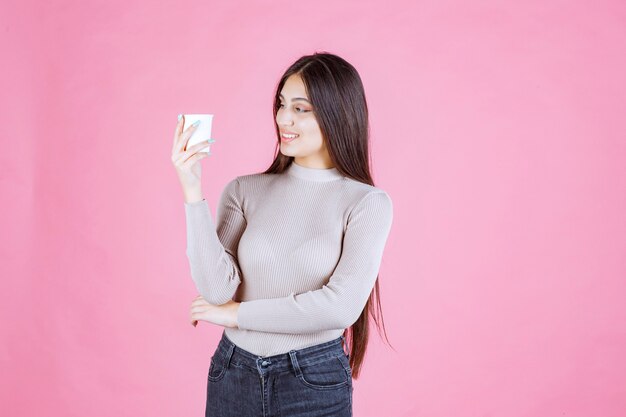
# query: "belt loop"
{"points": [[345, 345], [229, 354], [294, 363]]}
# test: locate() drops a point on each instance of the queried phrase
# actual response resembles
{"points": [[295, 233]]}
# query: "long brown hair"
{"points": [[336, 92]]}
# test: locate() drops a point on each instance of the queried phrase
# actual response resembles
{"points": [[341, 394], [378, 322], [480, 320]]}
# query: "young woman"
{"points": [[290, 266]]}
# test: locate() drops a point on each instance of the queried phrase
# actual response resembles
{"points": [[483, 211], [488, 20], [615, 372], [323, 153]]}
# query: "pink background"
{"points": [[497, 128]]}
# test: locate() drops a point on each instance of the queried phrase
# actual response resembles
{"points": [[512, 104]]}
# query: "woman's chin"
{"points": [[286, 151]]}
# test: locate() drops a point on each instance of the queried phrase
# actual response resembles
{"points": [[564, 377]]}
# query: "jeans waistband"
{"points": [[232, 353]]}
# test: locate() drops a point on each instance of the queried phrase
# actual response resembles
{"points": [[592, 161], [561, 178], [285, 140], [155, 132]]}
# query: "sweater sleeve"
{"points": [[211, 249], [339, 303]]}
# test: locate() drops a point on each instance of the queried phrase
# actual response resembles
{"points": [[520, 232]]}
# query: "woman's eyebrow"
{"points": [[296, 98]]}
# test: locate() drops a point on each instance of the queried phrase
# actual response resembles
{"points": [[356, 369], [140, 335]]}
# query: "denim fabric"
{"points": [[310, 382]]}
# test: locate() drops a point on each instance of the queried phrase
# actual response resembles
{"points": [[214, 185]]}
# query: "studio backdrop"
{"points": [[497, 128]]}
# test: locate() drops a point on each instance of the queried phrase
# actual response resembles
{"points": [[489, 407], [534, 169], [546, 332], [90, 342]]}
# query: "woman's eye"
{"points": [[298, 109]]}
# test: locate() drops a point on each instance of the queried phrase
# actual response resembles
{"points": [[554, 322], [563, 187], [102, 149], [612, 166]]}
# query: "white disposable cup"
{"points": [[202, 132]]}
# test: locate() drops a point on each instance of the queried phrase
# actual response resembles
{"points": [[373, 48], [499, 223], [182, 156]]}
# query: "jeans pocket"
{"points": [[217, 369], [345, 360], [325, 375]]}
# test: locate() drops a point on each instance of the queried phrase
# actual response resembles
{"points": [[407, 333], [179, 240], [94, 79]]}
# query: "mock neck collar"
{"points": [[313, 174]]}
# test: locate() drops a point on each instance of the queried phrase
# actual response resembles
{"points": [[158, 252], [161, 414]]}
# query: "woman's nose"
{"points": [[285, 122], [284, 119]]}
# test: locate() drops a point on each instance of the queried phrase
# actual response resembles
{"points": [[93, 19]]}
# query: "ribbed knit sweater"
{"points": [[300, 250]]}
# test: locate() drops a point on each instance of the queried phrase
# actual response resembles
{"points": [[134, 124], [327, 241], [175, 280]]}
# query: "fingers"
{"points": [[181, 137], [182, 157], [200, 304], [192, 160], [196, 301], [201, 307], [179, 128], [184, 137]]}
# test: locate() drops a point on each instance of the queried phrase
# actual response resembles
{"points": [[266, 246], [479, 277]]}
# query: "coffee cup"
{"points": [[203, 130]]}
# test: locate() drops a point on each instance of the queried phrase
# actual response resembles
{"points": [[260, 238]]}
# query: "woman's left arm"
{"points": [[339, 303]]}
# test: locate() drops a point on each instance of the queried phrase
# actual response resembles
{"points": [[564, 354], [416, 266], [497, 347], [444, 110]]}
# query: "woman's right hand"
{"points": [[185, 160]]}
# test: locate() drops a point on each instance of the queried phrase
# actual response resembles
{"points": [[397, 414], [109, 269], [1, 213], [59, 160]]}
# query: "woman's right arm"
{"points": [[211, 250], [212, 246]]}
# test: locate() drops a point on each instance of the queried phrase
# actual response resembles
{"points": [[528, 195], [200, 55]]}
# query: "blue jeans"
{"points": [[310, 382]]}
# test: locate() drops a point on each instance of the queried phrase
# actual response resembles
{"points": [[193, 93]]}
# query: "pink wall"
{"points": [[498, 130]]}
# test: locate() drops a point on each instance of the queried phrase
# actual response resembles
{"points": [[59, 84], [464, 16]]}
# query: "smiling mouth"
{"points": [[285, 137]]}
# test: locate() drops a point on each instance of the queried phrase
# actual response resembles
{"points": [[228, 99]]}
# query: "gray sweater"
{"points": [[300, 250]]}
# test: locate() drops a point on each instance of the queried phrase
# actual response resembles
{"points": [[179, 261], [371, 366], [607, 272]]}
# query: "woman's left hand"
{"points": [[222, 315]]}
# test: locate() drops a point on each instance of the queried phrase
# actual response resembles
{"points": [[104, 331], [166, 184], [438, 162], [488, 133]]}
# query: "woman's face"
{"points": [[295, 117]]}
